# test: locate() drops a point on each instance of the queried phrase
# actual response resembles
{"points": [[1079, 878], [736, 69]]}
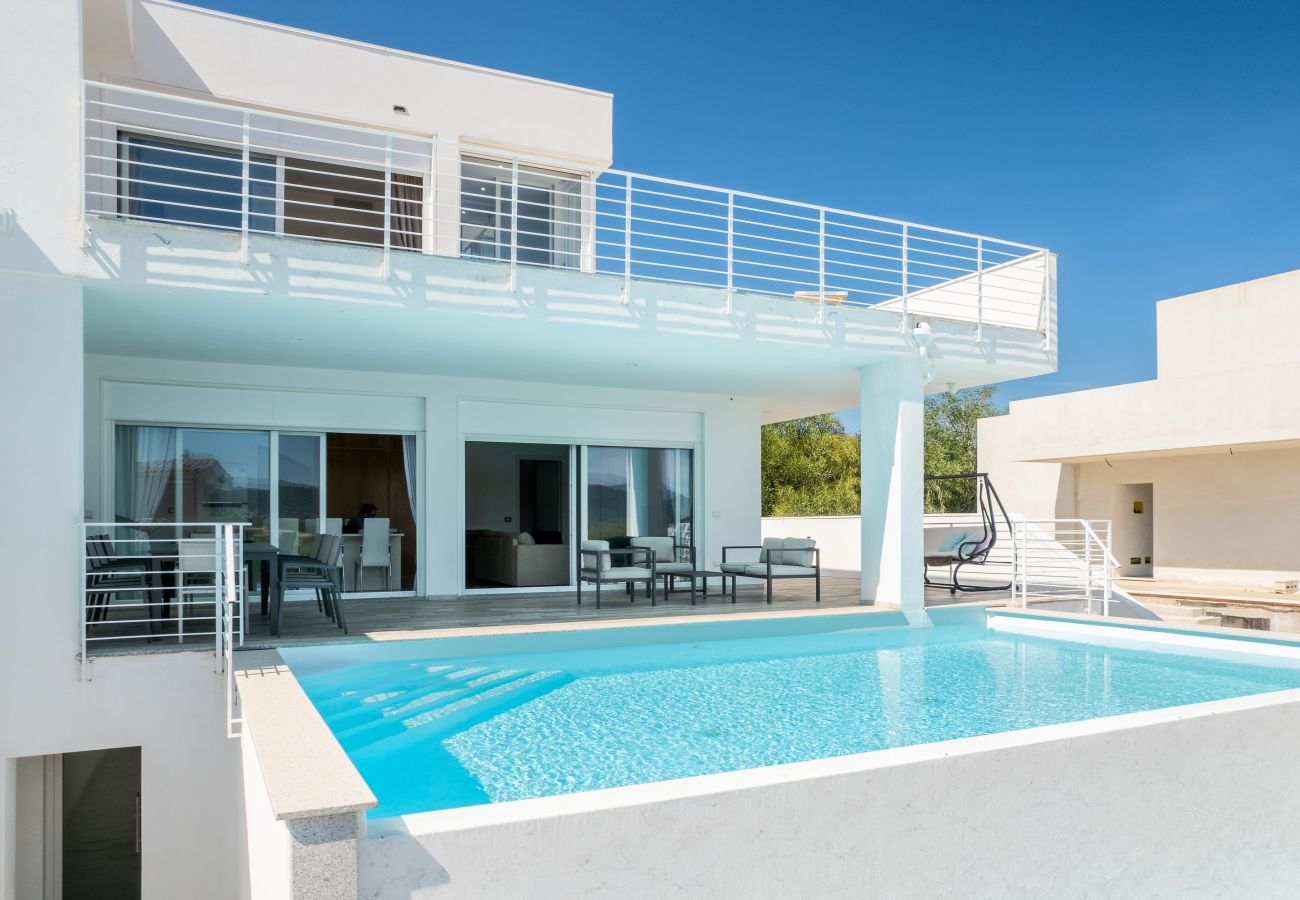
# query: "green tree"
{"points": [[810, 468], [950, 421], [811, 465]]}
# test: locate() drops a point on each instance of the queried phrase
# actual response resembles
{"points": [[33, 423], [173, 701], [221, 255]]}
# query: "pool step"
{"points": [[447, 696], [1182, 615]]}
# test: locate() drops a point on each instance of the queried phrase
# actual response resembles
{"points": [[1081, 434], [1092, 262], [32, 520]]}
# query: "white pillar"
{"points": [[892, 398]]}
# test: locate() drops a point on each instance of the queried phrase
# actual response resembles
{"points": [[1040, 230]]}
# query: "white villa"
{"points": [[260, 277], [1198, 469]]}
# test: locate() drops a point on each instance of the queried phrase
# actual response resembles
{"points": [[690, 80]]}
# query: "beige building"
{"points": [[1199, 470]]}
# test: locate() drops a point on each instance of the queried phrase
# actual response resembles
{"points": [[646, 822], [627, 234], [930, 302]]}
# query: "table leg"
{"points": [[277, 597]]}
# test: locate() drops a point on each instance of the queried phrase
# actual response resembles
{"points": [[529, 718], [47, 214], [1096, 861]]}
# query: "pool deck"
{"points": [[414, 617]]}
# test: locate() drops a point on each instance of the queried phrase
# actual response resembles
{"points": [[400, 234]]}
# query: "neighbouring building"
{"points": [[255, 275], [1198, 469]]}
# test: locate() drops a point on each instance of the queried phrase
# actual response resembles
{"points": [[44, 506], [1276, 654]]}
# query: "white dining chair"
{"points": [[197, 578], [333, 525], [374, 553]]}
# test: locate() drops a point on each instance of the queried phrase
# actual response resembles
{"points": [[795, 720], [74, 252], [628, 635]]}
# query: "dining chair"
{"points": [[197, 569], [374, 553]]}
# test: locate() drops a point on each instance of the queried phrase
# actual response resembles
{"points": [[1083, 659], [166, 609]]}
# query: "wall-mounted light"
{"points": [[399, 109]]}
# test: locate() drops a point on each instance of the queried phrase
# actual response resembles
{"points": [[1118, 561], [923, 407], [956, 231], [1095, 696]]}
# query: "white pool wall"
{"points": [[1190, 801]]}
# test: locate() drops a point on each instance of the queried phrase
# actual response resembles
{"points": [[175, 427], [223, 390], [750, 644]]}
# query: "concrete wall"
{"points": [[1072, 807], [838, 537], [446, 412], [1238, 326]]}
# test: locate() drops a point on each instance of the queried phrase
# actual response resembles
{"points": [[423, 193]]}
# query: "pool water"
{"points": [[436, 733]]}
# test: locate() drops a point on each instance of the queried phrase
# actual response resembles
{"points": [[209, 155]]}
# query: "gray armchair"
{"points": [[670, 557], [777, 558], [596, 566]]}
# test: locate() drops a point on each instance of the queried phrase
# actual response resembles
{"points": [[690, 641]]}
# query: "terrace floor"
{"points": [[411, 617]]}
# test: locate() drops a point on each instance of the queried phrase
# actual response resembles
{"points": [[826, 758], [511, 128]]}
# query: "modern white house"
{"points": [[1198, 469], [256, 276]]}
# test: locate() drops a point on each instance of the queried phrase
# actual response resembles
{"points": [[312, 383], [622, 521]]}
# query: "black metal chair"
{"points": [[596, 566]]}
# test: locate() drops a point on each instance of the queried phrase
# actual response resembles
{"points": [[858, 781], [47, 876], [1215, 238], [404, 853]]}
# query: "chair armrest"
{"points": [[740, 547]]}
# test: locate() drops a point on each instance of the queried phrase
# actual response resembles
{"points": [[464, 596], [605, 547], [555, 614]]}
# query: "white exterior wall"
{"points": [[723, 431]]}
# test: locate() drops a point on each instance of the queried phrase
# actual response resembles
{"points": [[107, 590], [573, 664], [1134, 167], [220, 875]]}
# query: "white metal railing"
{"points": [[1064, 562], [160, 157], [159, 583]]}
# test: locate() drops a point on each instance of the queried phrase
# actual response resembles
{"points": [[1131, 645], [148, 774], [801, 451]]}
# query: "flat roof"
{"points": [[378, 48]]}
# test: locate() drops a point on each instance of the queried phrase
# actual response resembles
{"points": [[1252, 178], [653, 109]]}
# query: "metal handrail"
{"points": [[523, 209]]}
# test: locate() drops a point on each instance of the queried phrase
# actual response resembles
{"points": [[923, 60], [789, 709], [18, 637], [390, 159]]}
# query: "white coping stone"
{"points": [[306, 771]]}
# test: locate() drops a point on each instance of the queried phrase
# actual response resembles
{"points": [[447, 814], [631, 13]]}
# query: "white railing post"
{"points": [[902, 325], [821, 265], [979, 289], [244, 192], [731, 247], [1087, 569], [85, 599], [627, 240], [388, 205], [219, 598], [81, 154], [514, 219]]}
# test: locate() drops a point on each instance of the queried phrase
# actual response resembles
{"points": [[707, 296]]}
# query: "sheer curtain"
{"points": [[146, 463], [406, 228], [409, 461]]}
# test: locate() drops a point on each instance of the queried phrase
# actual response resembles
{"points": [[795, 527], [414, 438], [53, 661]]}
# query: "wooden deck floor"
{"points": [[372, 619]]}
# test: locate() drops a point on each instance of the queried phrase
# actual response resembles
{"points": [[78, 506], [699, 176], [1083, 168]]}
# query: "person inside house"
{"points": [[355, 524]]}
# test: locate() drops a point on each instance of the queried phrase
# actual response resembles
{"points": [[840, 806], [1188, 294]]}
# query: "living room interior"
{"points": [[518, 514]]}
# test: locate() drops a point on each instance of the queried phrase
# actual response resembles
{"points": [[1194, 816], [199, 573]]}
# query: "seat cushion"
{"points": [[632, 573], [755, 570], [672, 568], [737, 568]]}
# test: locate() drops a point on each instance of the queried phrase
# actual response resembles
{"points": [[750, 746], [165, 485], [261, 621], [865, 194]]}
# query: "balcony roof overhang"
{"points": [[176, 293]]}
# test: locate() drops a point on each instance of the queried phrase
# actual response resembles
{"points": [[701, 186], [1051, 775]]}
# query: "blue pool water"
{"points": [[434, 733]]}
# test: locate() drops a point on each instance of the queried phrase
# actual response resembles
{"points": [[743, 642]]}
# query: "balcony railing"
{"points": [[161, 584], [159, 157]]}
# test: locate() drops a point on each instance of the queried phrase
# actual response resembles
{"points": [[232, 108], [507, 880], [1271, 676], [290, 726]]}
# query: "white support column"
{"points": [[892, 398]]}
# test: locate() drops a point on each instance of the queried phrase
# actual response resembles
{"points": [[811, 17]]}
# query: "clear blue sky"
{"points": [[1155, 146]]}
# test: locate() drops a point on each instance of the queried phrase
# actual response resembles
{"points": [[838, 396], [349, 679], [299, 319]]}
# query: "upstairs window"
{"points": [[548, 223], [194, 184]]}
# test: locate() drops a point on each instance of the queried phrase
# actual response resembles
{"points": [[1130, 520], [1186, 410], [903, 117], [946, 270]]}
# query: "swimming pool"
{"points": [[456, 722]]}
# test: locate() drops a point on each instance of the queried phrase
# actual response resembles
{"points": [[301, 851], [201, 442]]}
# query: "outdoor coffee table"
{"points": [[703, 575]]}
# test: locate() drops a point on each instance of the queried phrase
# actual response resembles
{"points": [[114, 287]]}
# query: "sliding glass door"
{"points": [[639, 492], [300, 459], [225, 476]]}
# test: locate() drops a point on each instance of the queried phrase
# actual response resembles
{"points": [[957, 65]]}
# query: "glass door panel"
{"points": [[299, 489], [226, 477], [639, 492]]}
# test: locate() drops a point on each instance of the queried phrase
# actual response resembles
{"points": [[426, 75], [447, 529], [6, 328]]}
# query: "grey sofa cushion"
{"points": [[759, 570], [788, 551]]}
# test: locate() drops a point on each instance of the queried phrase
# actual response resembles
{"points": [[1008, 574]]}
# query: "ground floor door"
{"points": [[1134, 525]]}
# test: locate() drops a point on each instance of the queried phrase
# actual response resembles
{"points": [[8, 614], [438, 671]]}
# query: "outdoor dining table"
{"points": [[269, 557]]}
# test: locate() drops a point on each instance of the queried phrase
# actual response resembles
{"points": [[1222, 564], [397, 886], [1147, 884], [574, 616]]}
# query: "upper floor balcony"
{"points": [[252, 173]]}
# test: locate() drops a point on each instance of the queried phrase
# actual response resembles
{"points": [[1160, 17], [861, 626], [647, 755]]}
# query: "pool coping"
{"points": [[281, 721]]}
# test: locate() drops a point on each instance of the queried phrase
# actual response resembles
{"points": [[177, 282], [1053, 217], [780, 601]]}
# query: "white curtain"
{"points": [[409, 461], [147, 461]]}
